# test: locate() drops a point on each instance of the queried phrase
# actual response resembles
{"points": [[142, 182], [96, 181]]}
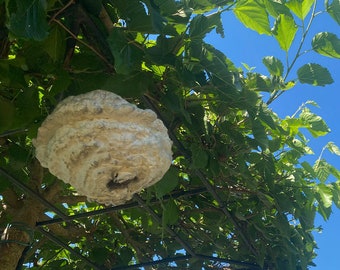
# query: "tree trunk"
{"points": [[17, 234]]}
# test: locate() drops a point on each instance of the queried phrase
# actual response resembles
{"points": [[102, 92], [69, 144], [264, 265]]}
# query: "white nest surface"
{"points": [[105, 147]]}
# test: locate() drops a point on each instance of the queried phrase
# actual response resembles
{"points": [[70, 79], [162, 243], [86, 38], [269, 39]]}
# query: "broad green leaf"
{"points": [[201, 25], [333, 9], [309, 169], [135, 9], [322, 170], [167, 183], [284, 31], [314, 74], [29, 20], [314, 123], [259, 133], [7, 115], [253, 15], [128, 56], [333, 148], [215, 62], [336, 193], [258, 82], [165, 50], [326, 44], [275, 8], [274, 65], [199, 157], [300, 7], [170, 213], [55, 44], [326, 194]]}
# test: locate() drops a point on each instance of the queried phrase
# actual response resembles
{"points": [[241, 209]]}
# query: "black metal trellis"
{"points": [[139, 202]]}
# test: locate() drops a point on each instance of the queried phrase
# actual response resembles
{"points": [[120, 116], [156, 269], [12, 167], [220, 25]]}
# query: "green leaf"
{"points": [[99, 254], [128, 56], [275, 8], [141, 20], [170, 213], [7, 115], [274, 65], [334, 10], [300, 7], [314, 123], [253, 15], [333, 148], [284, 31], [322, 170], [326, 194], [259, 133], [201, 25], [168, 183], [336, 193], [314, 74], [55, 44], [309, 169], [165, 50], [199, 157], [29, 20], [326, 44]]}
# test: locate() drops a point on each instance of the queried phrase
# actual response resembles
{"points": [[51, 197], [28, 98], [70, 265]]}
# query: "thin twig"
{"points": [[278, 93], [71, 2], [85, 44]]}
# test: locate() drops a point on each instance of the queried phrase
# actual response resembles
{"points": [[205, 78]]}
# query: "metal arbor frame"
{"points": [[42, 227], [139, 202]]}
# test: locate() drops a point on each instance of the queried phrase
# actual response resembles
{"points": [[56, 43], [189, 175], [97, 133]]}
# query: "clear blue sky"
{"points": [[243, 45]]}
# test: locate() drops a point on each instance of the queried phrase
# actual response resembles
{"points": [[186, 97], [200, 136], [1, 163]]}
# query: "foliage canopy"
{"points": [[239, 188]]}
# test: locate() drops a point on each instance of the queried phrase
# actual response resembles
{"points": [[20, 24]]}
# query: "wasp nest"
{"points": [[105, 147]]}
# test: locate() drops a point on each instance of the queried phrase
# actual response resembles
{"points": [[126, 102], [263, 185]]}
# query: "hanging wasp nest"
{"points": [[105, 147]]}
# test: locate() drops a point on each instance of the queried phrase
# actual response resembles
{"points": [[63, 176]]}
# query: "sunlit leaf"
{"points": [[326, 44], [274, 65], [201, 25], [253, 15], [259, 133], [322, 170], [275, 8], [336, 193], [314, 74], [300, 7], [333, 9], [314, 123], [333, 148], [326, 195], [284, 30]]}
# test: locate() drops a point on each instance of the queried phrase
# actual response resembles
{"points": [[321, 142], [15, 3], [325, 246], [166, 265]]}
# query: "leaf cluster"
{"points": [[258, 196]]}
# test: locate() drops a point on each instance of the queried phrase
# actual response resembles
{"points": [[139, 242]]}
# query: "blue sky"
{"points": [[243, 45]]}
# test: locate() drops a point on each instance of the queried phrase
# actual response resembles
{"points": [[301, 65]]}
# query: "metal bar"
{"points": [[202, 177], [251, 266], [34, 194], [68, 248], [166, 260], [224, 209], [167, 228], [121, 207]]}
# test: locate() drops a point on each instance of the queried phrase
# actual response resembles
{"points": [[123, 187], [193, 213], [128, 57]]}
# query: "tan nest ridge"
{"points": [[105, 147]]}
